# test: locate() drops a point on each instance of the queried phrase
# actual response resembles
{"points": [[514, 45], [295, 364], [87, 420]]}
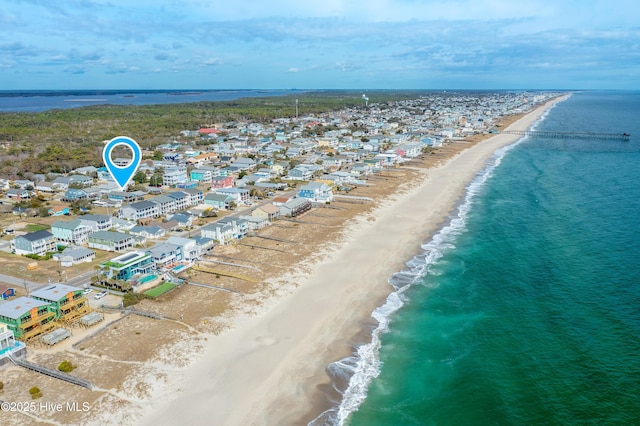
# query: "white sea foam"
{"points": [[364, 365]]}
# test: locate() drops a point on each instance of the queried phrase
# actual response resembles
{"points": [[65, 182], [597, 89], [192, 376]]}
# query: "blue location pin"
{"points": [[122, 174]]}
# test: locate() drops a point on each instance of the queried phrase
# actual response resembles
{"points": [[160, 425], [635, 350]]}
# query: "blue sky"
{"points": [[332, 44]]}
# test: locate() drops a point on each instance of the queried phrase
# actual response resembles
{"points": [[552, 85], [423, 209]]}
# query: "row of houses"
{"points": [[162, 204], [28, 317]]}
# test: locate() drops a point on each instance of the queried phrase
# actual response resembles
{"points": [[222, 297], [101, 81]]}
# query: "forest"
{"points": [[60, 140]]}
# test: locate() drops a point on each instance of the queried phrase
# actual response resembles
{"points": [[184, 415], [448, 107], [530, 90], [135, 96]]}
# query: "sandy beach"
{"points": [[267, 368]]}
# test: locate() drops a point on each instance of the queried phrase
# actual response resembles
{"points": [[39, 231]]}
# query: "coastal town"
{"points": [[113, 283]]}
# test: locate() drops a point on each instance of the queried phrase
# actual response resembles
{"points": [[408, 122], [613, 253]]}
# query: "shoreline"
{"points": [[272, 366]]}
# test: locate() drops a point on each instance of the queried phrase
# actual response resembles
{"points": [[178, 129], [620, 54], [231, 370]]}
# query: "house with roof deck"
{"points": [[71, 232], [39, 243], [27, 317], [127, 266], [110, 241], [68, 302]]}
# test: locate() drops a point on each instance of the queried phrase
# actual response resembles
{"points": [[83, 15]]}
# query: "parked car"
{"points": [[87, 290], [100, 295]]}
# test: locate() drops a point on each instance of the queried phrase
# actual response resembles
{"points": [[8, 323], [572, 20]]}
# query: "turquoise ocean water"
{"points": [[525, 309]]}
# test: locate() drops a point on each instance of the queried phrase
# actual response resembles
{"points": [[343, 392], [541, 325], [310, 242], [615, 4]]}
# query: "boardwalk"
{"points": [[569, 135], [52, 373]]}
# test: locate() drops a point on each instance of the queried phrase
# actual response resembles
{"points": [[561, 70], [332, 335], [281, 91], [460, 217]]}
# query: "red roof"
{"points": [[208, 130]]}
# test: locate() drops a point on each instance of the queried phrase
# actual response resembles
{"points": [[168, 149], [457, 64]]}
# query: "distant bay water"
{"points": [[36, 101], [525, 309]]}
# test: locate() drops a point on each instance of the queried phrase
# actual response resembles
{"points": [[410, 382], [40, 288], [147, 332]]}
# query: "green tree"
{"points": [[140, 177]]}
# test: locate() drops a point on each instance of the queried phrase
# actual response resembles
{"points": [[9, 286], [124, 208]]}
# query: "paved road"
{"points": [[80, 281], [19, 282]]}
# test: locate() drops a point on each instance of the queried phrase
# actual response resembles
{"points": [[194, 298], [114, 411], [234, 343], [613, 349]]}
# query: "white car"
{"points": [[87, 290], [100, 295]]}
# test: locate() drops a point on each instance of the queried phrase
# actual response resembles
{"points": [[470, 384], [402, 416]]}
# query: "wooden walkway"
{"points": [[52, 373]]}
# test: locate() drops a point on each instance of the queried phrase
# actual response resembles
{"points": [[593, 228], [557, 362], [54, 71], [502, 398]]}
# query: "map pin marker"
{"points": [[122, 174]]}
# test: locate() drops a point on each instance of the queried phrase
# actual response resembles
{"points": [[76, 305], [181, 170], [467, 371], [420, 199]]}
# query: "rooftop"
{"points": [[16, 308], [54, 292]]}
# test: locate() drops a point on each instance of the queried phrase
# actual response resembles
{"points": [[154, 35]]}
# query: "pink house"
{"points": [[220, 182]]}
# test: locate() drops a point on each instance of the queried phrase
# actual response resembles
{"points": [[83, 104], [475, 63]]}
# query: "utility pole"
{"points": [[296, 108]]}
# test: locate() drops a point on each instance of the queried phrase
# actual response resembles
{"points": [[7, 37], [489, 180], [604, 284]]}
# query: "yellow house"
{"points": [[268, 211]]}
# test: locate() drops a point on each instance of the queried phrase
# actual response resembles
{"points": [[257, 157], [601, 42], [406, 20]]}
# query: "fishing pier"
{"points": [[569, 135]]}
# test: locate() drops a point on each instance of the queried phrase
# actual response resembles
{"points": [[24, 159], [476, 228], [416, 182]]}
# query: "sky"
{"points": [[328, 44]]}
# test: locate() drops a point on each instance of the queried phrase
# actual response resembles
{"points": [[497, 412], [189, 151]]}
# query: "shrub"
{"points": [[66, 366], [1, 386], [35, 392], [130, 298]]}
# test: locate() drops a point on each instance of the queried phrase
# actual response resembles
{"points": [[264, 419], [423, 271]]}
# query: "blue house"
{"points": [[74, 194]]}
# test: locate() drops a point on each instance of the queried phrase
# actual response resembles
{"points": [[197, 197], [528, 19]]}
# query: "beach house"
{"points": [[222, 233], [268, 211], [72, 256], [39, 242], [316, 192], [27, 317], [219, 182], [294, 207], [139, 210], [239, 194], [126, 266], [97, 222], [67, 302], [110, 241], [164, 254], [187, 246], [70, 232]]}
